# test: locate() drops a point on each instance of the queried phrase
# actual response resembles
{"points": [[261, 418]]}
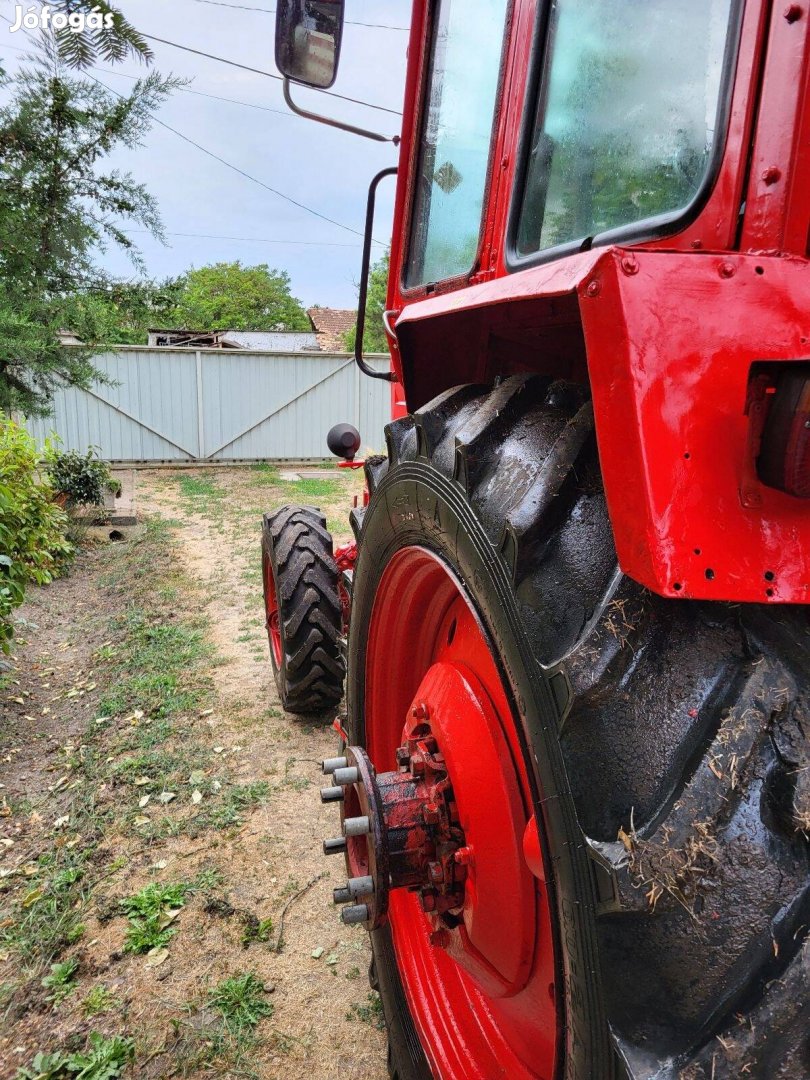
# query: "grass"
{"points": [[47, 917], [241, 1001], [154, 665], [150, 913], [200, 487], [235, 802], [315, 488]]}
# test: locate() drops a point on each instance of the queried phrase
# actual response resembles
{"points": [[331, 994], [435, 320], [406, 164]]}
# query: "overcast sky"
{"points": [[321, 167]]}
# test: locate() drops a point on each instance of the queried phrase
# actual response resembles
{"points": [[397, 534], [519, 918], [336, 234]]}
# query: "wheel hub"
{"points": [[445, 824]]}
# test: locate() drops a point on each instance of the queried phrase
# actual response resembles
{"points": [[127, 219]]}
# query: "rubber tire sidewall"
{"points": [[416, 505]]}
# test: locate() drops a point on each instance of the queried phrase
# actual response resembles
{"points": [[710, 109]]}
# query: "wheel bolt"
{"points": [[360, 886], [331, 794], [464, 856], [332, 763], [334, 847], [440, 938], [356, 826], [346, 776], [358, 913], [341, 895]]}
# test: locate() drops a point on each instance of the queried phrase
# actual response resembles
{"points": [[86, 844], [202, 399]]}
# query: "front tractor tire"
{"points": [[660, 746], [303, 611]]}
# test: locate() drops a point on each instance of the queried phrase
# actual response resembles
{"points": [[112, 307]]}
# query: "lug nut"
{"points": [[356, 826], [358, 913], [341, 895], [332, 763], [346, 776], [464, 856], [334, 847], [360, 886], [331, 794]]}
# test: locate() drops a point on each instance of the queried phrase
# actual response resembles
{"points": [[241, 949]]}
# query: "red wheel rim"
{"points": [[271, 615], [481, 994]]}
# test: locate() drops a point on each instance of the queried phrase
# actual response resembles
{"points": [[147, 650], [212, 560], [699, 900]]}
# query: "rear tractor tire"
{"points": [[303, 611], [658, 747]]}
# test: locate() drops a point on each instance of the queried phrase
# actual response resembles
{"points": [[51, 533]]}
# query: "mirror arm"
{"points": [[335, 123], [386, 376]]}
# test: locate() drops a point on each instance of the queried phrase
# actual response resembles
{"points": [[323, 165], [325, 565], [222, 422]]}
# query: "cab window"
{"points": [[457, 124], [628, 116]]}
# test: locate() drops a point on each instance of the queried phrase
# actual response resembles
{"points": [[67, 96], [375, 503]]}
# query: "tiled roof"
{"points": [[331, 325]]}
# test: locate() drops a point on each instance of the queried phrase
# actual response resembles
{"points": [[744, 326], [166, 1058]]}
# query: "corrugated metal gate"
{"points": [[164, 404]]}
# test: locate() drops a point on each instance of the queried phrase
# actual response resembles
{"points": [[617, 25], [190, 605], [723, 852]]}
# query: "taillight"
{"points": [[784, 457]]}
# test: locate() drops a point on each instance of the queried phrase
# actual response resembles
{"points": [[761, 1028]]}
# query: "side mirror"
{"points": [[344, 441], [308, 36]]}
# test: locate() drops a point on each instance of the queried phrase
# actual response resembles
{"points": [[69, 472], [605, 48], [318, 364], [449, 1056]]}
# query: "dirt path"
{"points": [[205, 785], [218, 519]]}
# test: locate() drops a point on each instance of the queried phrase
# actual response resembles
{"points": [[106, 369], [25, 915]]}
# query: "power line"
{"points": [[253, 239], [229, 165], [200, 93], [241, 172], [272, 11], [242, 67], [267, 74], [181, 89]]}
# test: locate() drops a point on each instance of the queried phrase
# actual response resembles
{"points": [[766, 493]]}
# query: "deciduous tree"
{"points": [[230, 296]]}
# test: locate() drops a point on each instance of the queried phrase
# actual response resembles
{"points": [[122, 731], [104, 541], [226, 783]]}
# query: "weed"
{"points": [[208, 879], [99, 1000], [104, 1059], [370, 1012], [241, 1001], [255, 929], [61, 980], [150, 913]]}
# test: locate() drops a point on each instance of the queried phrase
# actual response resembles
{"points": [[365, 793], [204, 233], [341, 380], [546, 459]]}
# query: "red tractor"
{"points": [[574, 786]]}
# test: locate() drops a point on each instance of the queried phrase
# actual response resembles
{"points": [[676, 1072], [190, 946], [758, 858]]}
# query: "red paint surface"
{"points": [[667, 351], [482, 993], [271, 616], [669, 399]]}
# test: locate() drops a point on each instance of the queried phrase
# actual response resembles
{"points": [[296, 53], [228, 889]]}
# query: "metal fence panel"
{"points": [[163, 404]]}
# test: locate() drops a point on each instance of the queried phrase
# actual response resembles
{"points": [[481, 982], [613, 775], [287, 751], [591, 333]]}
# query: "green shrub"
{"points": [[83, 478], [33, 545]]}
